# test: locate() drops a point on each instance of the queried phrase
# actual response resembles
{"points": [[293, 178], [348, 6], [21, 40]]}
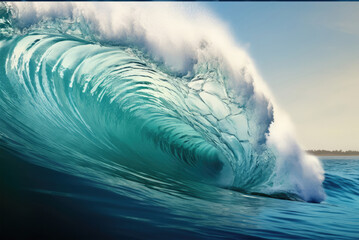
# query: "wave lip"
{"points": [[199, 111]]}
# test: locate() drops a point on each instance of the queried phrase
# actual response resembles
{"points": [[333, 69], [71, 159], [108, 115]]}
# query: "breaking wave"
{"points": [[146, 92]]}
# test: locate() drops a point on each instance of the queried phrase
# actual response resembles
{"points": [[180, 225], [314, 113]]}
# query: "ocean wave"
{"points": [[144, 92]]}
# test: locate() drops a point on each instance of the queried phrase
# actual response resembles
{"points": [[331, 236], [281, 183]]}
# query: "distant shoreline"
{"points": [[333, 153]]}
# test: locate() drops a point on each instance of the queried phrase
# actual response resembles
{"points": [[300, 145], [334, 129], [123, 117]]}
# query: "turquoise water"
{"points": [[103, 138], [80, 103]]}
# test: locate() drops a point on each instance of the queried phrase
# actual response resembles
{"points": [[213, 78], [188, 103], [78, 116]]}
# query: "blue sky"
{"points": [[308, 53]]}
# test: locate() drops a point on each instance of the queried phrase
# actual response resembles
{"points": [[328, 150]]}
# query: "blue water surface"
{"points": [[47, 203]]}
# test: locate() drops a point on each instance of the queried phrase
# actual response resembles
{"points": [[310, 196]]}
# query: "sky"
{"points": [[308, 54]]}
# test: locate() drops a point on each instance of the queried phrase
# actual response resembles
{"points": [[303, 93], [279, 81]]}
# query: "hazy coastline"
{"points": [[333, 153]]}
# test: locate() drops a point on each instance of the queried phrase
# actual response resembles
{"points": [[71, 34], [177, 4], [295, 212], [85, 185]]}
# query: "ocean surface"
{"points": [[38, 202], [147, 121]]}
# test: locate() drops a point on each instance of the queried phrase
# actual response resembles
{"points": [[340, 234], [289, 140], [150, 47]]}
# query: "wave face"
{"points": [[117, 91]]}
